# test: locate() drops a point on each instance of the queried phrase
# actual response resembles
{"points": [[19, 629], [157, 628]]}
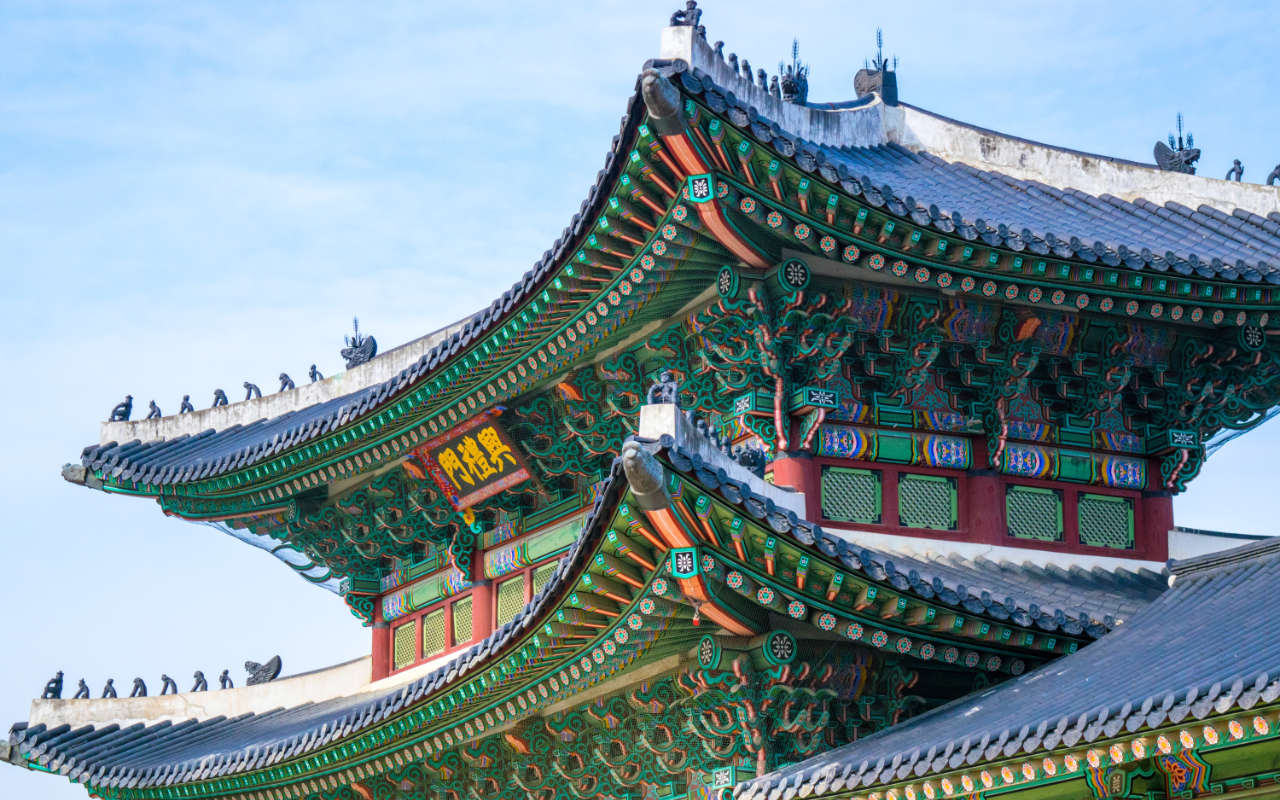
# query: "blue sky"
{"points": [[195, 194]]}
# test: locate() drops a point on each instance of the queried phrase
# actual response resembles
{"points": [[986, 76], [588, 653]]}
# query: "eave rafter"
{"points": [[625, 602]]}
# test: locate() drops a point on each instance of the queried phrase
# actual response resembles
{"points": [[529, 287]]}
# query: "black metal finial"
{"points": [[795, 77]]}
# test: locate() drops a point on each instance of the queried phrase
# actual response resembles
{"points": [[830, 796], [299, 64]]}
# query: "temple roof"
{"points": [[1175, 661], [135, 754], [979, 185]]}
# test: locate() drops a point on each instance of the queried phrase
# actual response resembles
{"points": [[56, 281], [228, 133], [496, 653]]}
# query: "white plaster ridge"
{"points": [[916, 129], [341, 680], [378, 369], [854, 127]]}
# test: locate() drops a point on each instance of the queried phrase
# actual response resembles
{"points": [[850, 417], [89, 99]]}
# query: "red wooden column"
{"points": [[798, 471], [381, 645], [1156, 519], [986, 507], [481, 597]]}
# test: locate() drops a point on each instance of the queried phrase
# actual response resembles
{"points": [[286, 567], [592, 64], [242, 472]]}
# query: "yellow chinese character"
{"points": [[474, 459], [497, 450], [453, 468]]}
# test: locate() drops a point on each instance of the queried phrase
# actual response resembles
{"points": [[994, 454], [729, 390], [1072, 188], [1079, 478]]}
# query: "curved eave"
{"points": [[1111, 704], [607, 267], [528, 660]]}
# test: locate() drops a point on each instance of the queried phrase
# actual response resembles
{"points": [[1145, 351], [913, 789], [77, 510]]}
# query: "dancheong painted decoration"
{"points": [[830, 451]]}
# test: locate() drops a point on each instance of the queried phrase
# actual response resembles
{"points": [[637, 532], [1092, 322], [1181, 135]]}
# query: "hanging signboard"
{"points": [[473, 462]]}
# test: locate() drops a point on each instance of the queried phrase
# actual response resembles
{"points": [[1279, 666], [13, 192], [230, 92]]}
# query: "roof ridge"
{"points": [[1224, 558]]}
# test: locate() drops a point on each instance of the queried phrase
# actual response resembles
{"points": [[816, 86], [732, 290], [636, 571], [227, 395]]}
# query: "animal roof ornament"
{"points": [[360, 348], [1178, 155]]}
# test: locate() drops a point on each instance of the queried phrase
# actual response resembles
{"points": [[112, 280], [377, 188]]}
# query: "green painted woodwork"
{"points": [[1034, 513], [851, 495]]}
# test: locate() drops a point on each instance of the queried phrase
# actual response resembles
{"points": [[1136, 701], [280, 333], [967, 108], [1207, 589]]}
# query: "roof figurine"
{"points": [[251, 391], [168, 685], [360, 348], [139, 688], [262, 673], [53, 689], [109, 689], [153, 411], [82, 691], [186, 407], [1274, 177], [286, 383], [690, 16], [200, 685], [219, 398], [1236, 173], [1179, 155], [224, 680], [122, 410], [314, 374]]}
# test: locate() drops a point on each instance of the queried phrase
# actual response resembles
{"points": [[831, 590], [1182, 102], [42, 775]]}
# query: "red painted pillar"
{"points": [[1156, 519], [986, 507], [481, 598], [798, 471], [381, 647]]}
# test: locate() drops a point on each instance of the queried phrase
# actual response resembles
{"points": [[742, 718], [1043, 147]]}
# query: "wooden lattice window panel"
{"points": [[927, 501], [851, 495], [433, 641], [1033, 513], [542, 576], [510, 599], [1106, 521], [404, 645], [462, 621]]}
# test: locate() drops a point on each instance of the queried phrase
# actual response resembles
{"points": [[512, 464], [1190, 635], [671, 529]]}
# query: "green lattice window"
{"points": [[433, 641], [510, 599], [542, 576], [404, 645], [927, 501], [1106, 521], [851, 495], [1033, 513], [462, 621]]}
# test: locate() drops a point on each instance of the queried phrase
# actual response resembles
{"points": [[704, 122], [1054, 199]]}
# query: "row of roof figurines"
{"points": [[359, 350], [791, 85], [258, 673]]}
